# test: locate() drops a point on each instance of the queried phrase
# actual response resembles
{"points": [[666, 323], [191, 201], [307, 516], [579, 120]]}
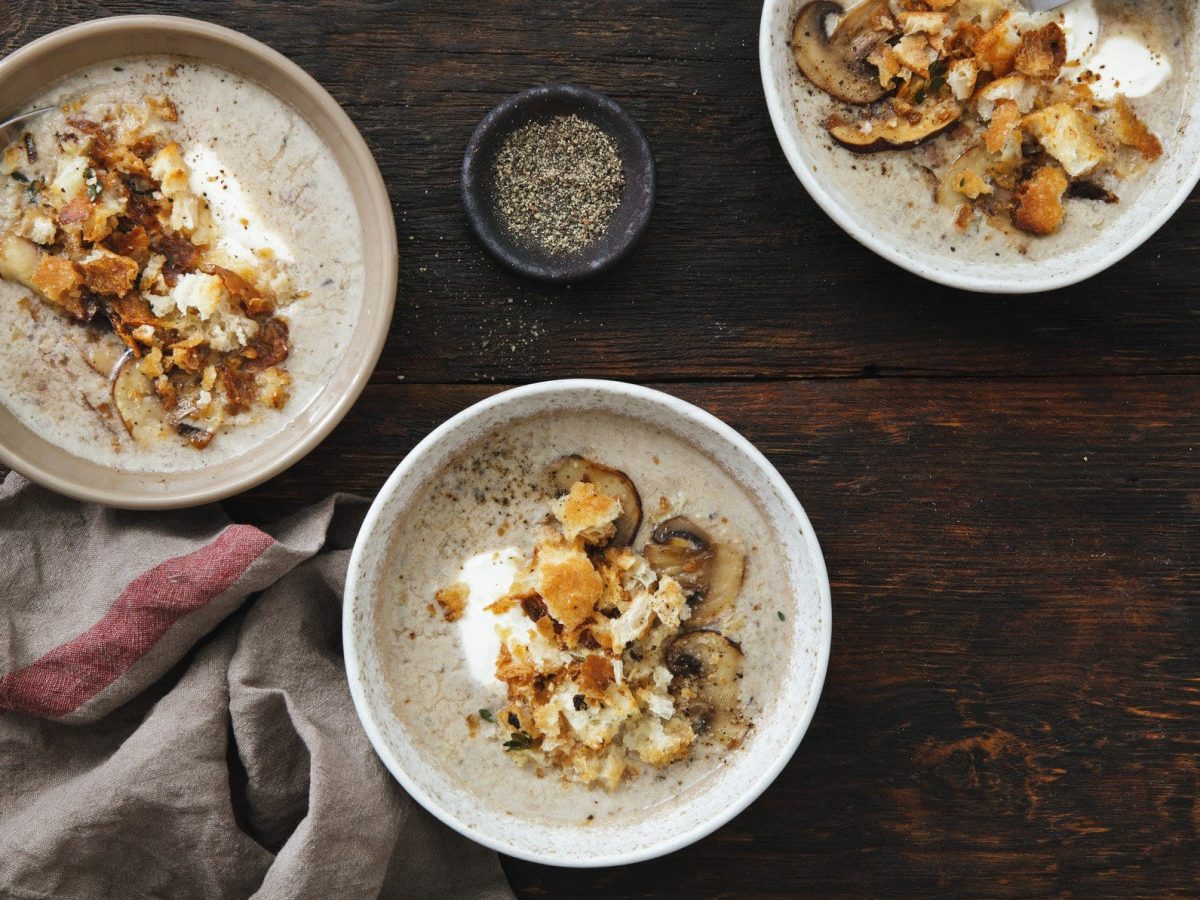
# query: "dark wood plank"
{"points": [[740, 275]]}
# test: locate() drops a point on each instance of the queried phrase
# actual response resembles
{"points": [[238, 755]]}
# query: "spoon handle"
{"points": [[10, 129]]}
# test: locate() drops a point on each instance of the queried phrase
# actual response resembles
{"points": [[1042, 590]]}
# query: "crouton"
{"points": [[1066, 134], [1039, 208], [1132, 131], [104, 272], [1042, 52]]}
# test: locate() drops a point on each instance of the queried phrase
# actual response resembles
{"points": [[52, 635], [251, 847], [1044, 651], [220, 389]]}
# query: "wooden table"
{"points": [[1007, 490]]}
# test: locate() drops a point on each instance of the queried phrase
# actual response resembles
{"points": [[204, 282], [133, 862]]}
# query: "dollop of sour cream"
{"points": [[488, 576], [241, 228], [1123, 62]]}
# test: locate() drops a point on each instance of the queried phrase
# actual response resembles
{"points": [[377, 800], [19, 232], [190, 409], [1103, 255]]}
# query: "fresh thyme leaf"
{"points": [[919, 97], [34, 188], [937, 75], [521, 740], [94, 188], [486, 715], [20, 176], [513, 720], [782, 617]]}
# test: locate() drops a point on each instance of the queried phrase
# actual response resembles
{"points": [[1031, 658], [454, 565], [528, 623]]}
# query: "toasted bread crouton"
{"points": [[58, 280], [567, 582], [1000, 134], [1042, 52], [1017, 88], [586, 513], [962, 76], [964, 217], [916, 54], [1132, 131], [970, 184], [996, 50], [884, 58], [930, 23], [1066, 134], [452, 600], [104, 272], [163, 107], [1039, 208]]}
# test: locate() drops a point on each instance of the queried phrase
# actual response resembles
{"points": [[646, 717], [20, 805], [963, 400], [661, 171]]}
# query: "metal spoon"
{"points": [[10, 129], [1044, 5]]}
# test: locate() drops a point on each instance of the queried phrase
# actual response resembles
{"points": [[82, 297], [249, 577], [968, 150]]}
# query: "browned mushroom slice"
{"points": [[896, 132], [831, 47], [141, 411], [709, 572], [706, 667], [974, 162], [569, 470], [136, 401]]}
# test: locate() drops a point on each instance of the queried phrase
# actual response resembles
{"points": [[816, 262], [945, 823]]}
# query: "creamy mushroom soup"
{"points": [[999, 133], [440, 630], [182, 260]]}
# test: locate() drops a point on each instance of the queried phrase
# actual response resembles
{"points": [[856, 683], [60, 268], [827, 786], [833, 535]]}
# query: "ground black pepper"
{"points": [[558, 183]]}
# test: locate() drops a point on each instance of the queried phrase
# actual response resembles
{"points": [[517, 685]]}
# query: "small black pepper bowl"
{"points": [[540, 104]]}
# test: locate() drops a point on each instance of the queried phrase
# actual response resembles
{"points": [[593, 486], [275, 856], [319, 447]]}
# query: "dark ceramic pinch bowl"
{"points": [[540, 104]]}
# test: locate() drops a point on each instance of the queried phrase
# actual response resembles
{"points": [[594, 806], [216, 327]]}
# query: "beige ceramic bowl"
{"points": [[26, 73]]}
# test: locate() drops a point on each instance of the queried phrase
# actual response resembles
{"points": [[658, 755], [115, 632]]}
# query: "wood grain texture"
{"points": [[1006, 489], [740, 275]]}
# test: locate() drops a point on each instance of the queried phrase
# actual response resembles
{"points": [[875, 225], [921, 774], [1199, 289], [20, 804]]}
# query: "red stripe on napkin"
{"points": [[78, 670]]}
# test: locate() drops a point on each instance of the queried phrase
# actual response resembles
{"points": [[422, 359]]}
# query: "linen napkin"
{"points": [[175, 719]]}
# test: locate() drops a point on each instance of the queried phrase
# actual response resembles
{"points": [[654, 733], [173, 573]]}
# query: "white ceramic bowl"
{"points": [[689, 816], [810, 153]]}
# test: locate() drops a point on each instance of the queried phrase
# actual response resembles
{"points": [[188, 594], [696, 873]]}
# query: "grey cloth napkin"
{"points": [[175, 720]]}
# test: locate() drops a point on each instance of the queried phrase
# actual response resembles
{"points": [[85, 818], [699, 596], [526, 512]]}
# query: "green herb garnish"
{"points": [[33, 189], [20, 176], [486, 715], [521, 740], [782, 617], [94, 188]]}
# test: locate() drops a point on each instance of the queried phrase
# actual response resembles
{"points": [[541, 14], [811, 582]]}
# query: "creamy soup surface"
{"points": [[495, 497], [271, 185], [907, 211]]}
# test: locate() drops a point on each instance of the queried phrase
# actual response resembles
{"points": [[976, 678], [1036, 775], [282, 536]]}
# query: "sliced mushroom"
{"points": [[707, 669], [136, 402], [831, 47], [141, 410], [710, 572], [976, 161], [897, 132], [569, 470]]}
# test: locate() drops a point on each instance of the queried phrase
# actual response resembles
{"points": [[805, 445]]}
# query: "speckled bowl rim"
{"points": [[431, 446], [782, 118], [52, 53]]}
